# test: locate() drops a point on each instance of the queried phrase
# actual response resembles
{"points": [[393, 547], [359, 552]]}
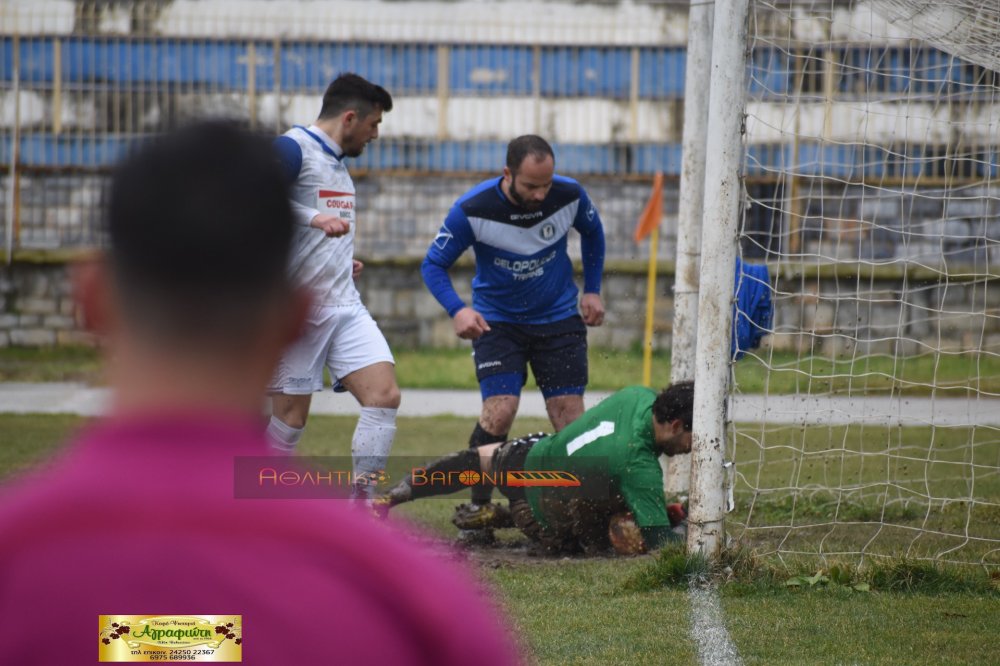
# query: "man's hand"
{"points": [[356, 269], [592, 309], [469, 324], [677, 513], [625, 535], [330, 225]]}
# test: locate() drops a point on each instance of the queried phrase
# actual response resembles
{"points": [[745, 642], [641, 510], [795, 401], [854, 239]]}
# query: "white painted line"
{"points": [[708, 629]]}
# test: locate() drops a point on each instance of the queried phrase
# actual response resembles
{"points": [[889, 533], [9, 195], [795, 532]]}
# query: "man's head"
{"points": [[200, 229], [527, 177], [352, 110], [672, 417]]}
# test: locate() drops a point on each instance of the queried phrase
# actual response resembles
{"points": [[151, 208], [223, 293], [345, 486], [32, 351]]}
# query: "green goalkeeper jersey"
{"points": [[610, 448]]}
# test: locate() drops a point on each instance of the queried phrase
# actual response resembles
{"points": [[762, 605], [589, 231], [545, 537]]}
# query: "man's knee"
{"points": [[384, 394], [293, 411], [294, 421], [388, 396], [564, 409], [498, 414]]}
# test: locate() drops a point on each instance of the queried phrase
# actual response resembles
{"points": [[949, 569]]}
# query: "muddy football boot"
{"points": [[481, 516], [380, 506]]}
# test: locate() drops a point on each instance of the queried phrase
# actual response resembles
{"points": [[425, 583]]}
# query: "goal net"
{"points": [[868, 424]]}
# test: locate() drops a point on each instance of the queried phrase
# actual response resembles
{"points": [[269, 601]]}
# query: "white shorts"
{"points": [[344, 338]]}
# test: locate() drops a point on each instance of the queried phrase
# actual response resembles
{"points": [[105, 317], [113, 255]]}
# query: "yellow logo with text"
{"points": [[144, 638]]}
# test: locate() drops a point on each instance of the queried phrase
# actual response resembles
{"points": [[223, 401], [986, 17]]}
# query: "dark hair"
{"points": [[200, 229], [355, 93], [529, 144], [675, 402]]}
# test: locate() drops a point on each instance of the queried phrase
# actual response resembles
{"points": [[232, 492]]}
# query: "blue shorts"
{"points": [[556, 352]]}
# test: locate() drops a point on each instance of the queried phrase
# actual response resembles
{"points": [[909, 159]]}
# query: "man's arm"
{"points": [[642, 489], [452, 240], [588, 223], [290, 157]]}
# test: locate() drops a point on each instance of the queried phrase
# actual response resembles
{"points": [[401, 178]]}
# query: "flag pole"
{"points": [[647, 340], [649, 225]]}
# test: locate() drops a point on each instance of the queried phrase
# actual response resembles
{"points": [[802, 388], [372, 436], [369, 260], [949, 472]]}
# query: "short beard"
{"points": [[354, 152], [518, 199]]}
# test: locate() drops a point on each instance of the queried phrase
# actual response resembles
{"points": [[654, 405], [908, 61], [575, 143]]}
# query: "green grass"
{"points": [[953, 375], [452, 368], [417, 440], [671, 567], [50, 364], [31, 439], [635, 611], [840, 627], [578, 612], [870, 488], [956, 375]]}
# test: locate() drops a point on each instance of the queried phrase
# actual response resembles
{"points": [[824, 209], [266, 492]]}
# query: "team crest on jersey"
{"points": [[442, 238], [548, 231]]}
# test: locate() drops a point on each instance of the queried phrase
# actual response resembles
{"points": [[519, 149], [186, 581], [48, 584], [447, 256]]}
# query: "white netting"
{"points": [[968, 29], [872, 180]]}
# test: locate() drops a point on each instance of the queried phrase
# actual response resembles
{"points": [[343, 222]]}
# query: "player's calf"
{"points": [[283, 437]]}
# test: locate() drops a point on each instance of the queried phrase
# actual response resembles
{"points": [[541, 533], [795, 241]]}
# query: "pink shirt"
{"points": [[139, 518]]}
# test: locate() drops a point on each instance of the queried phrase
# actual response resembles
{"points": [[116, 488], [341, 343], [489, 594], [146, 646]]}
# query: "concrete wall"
{"points": [[398, 216], [37, 307], [827, 316]]}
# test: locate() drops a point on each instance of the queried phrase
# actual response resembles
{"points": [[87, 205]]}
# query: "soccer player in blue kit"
{"points": [[524, 308]]}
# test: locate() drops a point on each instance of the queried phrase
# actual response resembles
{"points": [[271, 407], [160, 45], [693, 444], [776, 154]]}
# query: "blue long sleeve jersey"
{"points": [[523, 272]]}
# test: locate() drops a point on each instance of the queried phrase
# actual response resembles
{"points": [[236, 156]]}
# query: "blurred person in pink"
{"points": [[137, 515]]}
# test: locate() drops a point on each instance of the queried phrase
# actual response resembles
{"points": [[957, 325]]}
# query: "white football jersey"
{"points": [[322, 263]]}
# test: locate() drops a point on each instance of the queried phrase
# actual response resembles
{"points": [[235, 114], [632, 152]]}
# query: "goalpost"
{"points": [[868, 424]]}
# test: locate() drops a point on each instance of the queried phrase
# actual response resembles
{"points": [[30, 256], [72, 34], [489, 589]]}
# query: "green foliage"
{"points": [[837, 575], [672, 568], [750, 573], [904, 575]]}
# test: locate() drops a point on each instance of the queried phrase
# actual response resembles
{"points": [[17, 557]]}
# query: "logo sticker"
{"points": [[338, 204], [548, 231], [442, 238], [145, 638], [419, 476]]}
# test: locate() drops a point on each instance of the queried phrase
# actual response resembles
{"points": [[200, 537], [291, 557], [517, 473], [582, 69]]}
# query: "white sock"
{"points": [[372, 441], [282, 436]]}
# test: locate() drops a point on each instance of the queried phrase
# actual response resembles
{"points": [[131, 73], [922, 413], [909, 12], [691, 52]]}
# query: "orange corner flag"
{"points": [[653, 212]]}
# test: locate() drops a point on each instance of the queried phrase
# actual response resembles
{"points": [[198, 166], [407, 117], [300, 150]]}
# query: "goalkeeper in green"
{"points": [[564, 488]]}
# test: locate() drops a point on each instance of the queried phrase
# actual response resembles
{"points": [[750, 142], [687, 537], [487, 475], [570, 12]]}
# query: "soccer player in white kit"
{"points": [[339, 332]]}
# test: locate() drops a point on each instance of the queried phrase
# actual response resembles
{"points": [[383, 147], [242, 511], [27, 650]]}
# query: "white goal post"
{"points": [[867, 425]]}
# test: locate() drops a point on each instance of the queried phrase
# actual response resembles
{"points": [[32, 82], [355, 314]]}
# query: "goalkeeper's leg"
{"points": [[440, 477]]}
